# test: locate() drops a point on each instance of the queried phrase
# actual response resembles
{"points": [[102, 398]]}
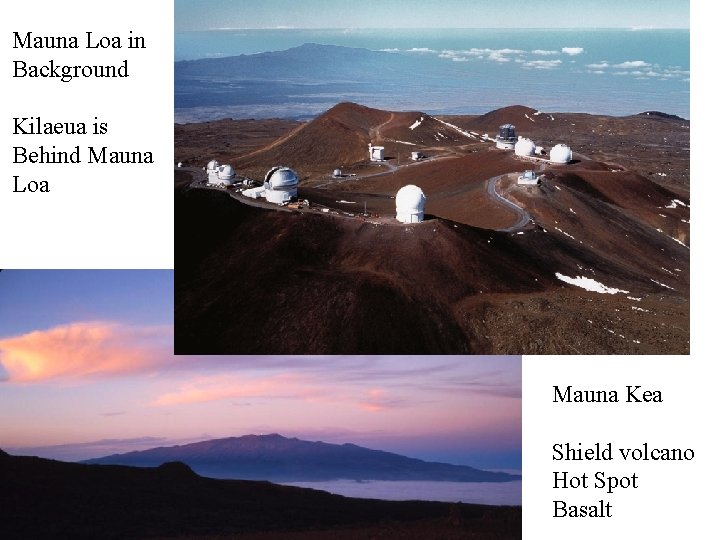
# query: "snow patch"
{"points": [[405, 142], [635, 308], [346, 202], [588, 284], [633, 298], [572, 211], [531, 119], [568, 235], [662, 284], [459, 130]]}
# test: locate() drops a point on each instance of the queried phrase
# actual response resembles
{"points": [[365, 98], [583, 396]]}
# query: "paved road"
{"points": [[523, 217]]}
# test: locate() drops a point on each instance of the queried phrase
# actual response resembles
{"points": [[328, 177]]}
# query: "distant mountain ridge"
{"points": [[278, 458]]}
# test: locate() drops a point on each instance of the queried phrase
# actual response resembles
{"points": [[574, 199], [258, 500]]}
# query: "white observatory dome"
{"points": [[337, 173], [226, 174], [560, 153], [213, 165], [280, 185], [281, 177], [524, 147], [410, 204]]}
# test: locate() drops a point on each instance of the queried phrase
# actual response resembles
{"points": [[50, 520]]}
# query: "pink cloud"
{"points": [[86, 349], [220, 387], [306, 388]]}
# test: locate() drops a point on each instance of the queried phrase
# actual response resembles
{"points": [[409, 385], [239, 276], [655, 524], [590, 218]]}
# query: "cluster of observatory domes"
{"points": [[220, 175], [507, 139]]}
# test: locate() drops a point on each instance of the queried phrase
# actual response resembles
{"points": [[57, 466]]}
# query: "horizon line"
{"points": [[628, 28]]}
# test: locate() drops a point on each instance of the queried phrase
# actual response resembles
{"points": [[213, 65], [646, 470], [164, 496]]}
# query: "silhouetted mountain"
{"points": [[274, 457], [44, 499]]}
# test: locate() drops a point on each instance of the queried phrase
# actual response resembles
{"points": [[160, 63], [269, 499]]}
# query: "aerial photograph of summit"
{"points": [[432, 178]]}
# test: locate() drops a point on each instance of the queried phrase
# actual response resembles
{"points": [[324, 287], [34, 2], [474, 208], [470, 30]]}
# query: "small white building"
{"points": [[377, 153], [410, 204], [280, 185], [337, 173], [179, 164], [524, 147], [417, 156], [254, 193], [506, 137], [560, 153], [528, 178], [211, 170]]}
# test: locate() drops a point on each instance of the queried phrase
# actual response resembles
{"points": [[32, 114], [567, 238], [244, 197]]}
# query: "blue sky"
{"points": [[40, 299], [193, 15]]}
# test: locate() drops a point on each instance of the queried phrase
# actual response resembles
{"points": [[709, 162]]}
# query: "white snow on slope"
{"points": [[662, 284], [588, 284], [417, 122], [459, 130]]}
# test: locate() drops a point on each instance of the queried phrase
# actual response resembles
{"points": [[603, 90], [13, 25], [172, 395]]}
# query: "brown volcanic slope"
{"points": [[258, 281], [268, 282], [41, 498], [197, 144], [340, 137]]}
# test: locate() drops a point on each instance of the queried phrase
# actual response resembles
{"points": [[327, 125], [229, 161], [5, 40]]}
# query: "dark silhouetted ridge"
{"points": [[42, 499]]}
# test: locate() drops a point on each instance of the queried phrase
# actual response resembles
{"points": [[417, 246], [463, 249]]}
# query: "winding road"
{"points": [[523, 217]]}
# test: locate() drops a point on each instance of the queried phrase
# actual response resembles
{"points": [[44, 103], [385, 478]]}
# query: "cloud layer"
{"points": [[84, 349]]}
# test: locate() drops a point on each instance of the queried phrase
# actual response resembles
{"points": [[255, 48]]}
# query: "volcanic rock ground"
{"points": [[260, 280]]}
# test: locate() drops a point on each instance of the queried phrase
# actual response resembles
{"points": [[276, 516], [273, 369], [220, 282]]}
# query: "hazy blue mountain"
{"points": [[306, 79], [277, 458]]}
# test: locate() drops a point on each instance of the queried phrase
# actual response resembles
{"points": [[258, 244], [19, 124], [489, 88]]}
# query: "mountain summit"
{"points": [[278, 458]]}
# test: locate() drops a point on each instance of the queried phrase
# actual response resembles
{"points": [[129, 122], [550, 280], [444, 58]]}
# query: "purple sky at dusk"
{"points": [[96, 375]]}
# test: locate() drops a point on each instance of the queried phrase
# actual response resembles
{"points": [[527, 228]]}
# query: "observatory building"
{"points": [[225, 175], [377, 153], [211, 171], [528, 178], [524, 147], [417, 156], [410, 204], [280, 185], [337, 173], [506, 138], [560, 153]]}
